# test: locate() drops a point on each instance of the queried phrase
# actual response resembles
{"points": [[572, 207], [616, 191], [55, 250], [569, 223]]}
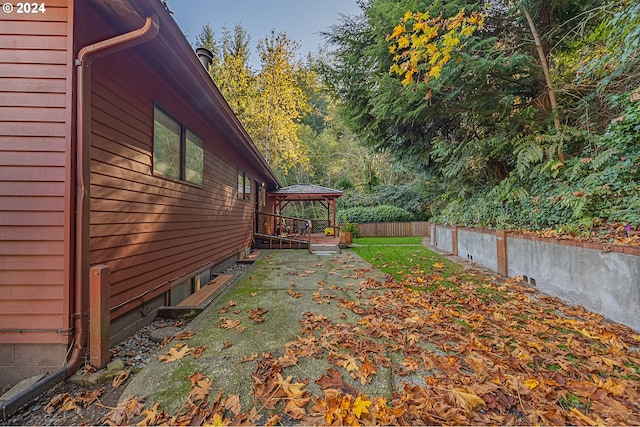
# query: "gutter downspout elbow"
{"points": [[80, 294]]}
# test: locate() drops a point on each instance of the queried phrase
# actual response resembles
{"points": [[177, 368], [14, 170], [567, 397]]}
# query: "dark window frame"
{"points": [[183, 135], [243, 190]]}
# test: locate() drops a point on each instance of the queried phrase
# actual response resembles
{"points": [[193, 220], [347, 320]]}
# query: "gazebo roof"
{"points": [[306, 192]]}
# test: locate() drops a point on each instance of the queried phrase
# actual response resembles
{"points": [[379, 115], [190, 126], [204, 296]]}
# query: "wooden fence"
{"points": [[394, 229]]}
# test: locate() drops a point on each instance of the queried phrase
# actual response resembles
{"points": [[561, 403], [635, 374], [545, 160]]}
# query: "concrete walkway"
{"points": [[284, 284]]}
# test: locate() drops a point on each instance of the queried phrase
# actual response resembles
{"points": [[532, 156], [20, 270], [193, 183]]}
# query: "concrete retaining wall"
{"points": [[444, 238], [478, 247], [602, 278], [605, 282]]}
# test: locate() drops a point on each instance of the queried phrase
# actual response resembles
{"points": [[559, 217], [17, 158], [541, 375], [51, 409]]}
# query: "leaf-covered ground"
{"points": [[466, 350]]}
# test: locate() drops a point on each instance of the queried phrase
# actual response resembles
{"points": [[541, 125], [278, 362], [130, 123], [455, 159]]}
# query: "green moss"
{"points": [[171, 397]]}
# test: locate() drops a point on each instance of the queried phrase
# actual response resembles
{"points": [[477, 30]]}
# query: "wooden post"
{"points": [[454, 240], [99, 321], [501, 252]]}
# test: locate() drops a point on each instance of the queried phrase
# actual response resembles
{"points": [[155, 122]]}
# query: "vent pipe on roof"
{"points": [[205, 56]]}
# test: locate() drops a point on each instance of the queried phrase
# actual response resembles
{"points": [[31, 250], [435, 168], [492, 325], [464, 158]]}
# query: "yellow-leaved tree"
{"points": [[269, 102], [422, 44], [233, 74], [280, 104]]}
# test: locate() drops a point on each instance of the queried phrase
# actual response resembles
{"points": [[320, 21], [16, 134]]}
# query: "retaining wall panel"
{"points": [[444, 238], [478, 247], [605, 282]]}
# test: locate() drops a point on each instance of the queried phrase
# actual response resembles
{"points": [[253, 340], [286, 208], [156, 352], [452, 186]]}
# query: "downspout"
{"points": [[80, 295]]}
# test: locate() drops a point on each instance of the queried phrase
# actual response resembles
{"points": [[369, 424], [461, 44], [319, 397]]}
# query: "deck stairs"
{"points": [[269, 241], [324, 248]]}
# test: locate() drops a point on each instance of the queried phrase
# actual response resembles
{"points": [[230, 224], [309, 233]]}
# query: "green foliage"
{"points": [[350, 227], [612, 49], [482, 133], [599, 186], [413, 197], [375, 214]]}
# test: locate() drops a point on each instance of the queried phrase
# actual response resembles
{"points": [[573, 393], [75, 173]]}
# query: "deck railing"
{"points": [[283, 232]]}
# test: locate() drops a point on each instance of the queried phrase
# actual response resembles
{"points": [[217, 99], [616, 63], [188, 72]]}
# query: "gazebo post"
{"points": [[333, 203], [329, 215]]}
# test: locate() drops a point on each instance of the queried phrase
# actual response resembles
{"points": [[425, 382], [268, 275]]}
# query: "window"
{"points": [[178, 153], [194, 164], [247, 187], [166, 145], [244, 185]]}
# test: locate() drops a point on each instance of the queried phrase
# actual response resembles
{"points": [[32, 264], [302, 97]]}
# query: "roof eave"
{"points": [[185, 64]]}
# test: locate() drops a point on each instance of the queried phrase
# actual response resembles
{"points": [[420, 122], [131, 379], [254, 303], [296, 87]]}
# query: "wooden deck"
{"points": [[321, 239], [267, 241]]}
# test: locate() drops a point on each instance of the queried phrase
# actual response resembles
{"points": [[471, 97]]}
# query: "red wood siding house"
{"points": [[115, 151]]}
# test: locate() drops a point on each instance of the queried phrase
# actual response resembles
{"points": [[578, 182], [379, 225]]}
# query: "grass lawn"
{"points": [[388, 240], [391, 255]]}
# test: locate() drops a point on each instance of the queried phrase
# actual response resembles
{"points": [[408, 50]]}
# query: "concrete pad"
{"points": [[284, 283], [19, 388], [160, 334]]}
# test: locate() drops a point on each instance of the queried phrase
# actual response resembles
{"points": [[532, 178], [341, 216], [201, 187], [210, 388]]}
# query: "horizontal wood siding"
{"points": [[35, 141], [149, 230], [393, 229]]}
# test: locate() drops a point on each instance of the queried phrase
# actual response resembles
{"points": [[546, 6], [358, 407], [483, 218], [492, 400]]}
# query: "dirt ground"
{"points": [[94, 414], [91, 405]]}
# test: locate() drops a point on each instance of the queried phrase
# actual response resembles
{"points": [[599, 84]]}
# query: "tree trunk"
{"points": [[547, 77], [267, 147]]}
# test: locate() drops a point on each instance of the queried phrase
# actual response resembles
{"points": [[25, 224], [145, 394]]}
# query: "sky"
{"points": [[301, 20]]}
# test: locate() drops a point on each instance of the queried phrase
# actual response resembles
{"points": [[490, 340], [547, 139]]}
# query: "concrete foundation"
{"points": [[19, 361]]}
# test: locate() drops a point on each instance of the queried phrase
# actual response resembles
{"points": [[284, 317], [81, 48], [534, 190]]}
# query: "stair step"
{"points": [[321, 249]]}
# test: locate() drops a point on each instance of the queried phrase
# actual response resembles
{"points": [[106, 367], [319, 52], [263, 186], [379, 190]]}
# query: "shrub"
{"points": [[382, 213]]}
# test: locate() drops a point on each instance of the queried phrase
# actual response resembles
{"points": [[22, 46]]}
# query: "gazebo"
{"points": [[306, 192], [276, 230]]}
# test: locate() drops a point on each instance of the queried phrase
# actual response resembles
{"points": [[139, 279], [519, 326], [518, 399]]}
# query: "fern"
{"points": [[603, 158], [528, 155], [576, 170]]}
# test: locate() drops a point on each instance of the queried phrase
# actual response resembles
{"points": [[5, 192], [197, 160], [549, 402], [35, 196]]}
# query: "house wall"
{"points": [[35, 189], [152, 232]]}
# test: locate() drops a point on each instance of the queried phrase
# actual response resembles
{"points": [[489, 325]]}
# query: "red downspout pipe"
{"points": [[80, 295], [83, 171]]}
